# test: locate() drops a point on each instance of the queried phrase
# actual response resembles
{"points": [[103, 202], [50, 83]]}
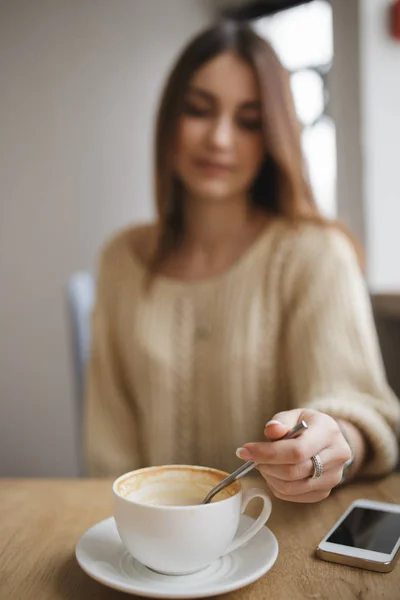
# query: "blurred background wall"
{"points": [[380, 92], [80, 81], [365, 103], [79, 84]]}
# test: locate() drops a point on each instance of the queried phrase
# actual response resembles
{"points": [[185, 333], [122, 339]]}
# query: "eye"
{"points": [[251, 124], [195, 111]]}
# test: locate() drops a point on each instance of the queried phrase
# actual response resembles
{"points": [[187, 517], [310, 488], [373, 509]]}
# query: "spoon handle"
{"points": [[250, 465]]}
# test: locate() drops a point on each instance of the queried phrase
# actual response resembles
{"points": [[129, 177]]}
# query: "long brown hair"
{"points": [[281, 187]]}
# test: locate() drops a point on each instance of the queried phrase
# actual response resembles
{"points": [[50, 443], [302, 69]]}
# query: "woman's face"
{"points": [[220, 145]]}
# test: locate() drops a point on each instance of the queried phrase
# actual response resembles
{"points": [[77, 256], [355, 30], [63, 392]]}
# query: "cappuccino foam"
{"points": [[176, 494], [174, 486]]}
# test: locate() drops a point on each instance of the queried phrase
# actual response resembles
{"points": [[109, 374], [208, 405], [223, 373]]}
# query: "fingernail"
{"points": [[273, 422], [243, 453]]}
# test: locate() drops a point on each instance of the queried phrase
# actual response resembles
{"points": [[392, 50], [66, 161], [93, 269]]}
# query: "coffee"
{"points": [[175, 495], [174, 487]]}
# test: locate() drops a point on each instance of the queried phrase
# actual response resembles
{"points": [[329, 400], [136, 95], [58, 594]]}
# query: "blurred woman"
{"points": [[240, 311]]}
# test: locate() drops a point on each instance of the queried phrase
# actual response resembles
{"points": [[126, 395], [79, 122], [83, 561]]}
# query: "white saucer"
{"points": [[101, 555]]}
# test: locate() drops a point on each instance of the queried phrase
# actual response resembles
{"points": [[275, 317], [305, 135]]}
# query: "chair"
{"points": [[80, 298], [388, 329]]}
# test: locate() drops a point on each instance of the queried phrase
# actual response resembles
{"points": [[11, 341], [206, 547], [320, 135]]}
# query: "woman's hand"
{"points": [[286, 465]]}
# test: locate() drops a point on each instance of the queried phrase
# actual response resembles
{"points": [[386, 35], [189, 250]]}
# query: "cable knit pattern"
{"points": [[183, 389], [188, 372]]}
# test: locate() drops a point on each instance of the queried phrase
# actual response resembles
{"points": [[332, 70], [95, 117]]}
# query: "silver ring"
{"points": [[318, 466]]}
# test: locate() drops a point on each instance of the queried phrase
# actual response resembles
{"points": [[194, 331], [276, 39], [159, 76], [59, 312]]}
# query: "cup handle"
{"points": [[260, 521]]}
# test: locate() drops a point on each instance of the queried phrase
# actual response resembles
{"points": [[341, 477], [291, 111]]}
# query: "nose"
{"points": [[221, 133]]}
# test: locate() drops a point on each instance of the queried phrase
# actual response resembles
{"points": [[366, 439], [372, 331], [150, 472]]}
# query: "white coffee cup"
{"points": [[163, 525]]}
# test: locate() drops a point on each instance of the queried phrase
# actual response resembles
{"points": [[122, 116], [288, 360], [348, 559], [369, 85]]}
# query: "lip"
{"points": [[214, 167]]}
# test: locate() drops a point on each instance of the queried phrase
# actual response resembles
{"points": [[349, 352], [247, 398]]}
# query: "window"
{"points": [[303, 39]]}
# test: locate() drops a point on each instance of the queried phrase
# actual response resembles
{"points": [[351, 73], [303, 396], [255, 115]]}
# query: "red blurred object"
{"points": [[395, 20]]}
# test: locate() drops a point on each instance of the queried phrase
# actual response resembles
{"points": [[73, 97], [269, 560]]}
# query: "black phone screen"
{"points": [[369, 529]]}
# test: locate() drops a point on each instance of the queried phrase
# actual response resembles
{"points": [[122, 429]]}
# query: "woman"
{"points": [[240, 305]]}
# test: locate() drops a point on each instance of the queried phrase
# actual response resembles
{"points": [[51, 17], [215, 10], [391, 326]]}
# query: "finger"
{"points": [[275, 430], [331, 458], [289, 417], [297, 450], [328, 480], [281, 423], [288, 452]]}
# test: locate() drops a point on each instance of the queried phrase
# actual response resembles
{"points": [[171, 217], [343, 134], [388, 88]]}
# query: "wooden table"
{"points": [[41, 521]]}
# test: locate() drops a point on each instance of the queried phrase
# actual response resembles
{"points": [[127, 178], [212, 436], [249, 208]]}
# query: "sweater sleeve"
{"points": [[334, 361], [111, 428]]}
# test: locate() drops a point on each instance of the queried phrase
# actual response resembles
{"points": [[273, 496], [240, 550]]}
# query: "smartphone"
{"points": [[367, 536]]}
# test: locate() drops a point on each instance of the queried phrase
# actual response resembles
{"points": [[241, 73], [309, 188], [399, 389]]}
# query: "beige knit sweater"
{"points": [[191, 371]]}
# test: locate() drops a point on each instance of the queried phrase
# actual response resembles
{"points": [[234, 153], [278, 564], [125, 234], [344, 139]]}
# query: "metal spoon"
{"points": [[250, 465]]}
